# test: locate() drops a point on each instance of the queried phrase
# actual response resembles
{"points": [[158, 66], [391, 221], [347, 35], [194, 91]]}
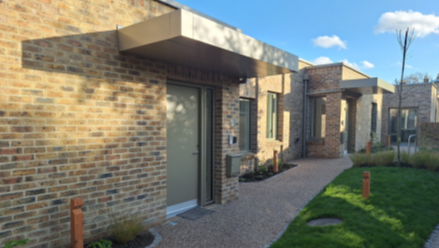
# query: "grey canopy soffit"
{"points": [[367, 86], [185, 38]]}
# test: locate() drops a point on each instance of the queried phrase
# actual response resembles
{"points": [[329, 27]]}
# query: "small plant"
{"points": [[124, 227], [241, 179], [103, 243], [280, 163], [15, 243], [259, 177], [270, 174], [262, 169]]}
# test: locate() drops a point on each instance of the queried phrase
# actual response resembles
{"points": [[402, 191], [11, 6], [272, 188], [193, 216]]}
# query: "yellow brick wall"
{"points": [[79, 119]]}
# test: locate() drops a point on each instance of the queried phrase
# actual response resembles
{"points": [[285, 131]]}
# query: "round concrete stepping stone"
{"points": [[324, 222]]}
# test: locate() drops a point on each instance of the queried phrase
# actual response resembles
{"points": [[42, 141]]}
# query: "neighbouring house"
{"points": [[420, 104], [344, 108], [135, 105]]}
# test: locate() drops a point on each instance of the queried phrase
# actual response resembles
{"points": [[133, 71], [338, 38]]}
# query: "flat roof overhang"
{"points": [[185, 38], [367, 86]]}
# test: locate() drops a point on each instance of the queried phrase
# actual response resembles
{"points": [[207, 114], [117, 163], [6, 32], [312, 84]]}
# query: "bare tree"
{"points": [[404, 41], [416, 78]]}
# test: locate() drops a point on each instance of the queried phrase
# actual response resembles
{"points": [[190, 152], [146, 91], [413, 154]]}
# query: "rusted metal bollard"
{"points": [[368, 147], [76, 223], [388, 140], [366, 184], [275, 165]]}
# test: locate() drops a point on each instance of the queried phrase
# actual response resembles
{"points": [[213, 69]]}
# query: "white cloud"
{"points": [[327, 42], [367, 65], [401, 20], [354, 65], [322, 60]]}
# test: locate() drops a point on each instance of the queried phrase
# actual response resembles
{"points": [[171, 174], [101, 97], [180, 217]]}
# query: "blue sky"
{"points": [[339, 30]]}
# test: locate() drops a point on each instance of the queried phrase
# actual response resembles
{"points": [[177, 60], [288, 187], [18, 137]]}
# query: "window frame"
{"points": [[374, 118], [272, 116], [312, 105], [249, 130]]}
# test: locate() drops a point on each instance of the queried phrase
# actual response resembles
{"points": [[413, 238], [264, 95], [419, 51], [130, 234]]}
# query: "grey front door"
{"points": [[182, 144]]}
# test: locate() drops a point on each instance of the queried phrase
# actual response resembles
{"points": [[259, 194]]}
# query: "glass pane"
{"points": [[209, 145], [409, 119], [269, 116], [412, 118], [274, 117], [393, 120], [319, 117], [244, 124]]}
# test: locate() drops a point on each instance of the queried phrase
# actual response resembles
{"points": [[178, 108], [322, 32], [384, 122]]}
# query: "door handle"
{"points": [[195, 153]]}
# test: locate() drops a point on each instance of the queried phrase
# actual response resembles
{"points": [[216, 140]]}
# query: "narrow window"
{"points": [[374, 118], [272, 109], [244, 125], [318, 117]]}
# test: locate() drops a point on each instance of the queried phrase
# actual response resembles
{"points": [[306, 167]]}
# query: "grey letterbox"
{"points": [[233, 164]]}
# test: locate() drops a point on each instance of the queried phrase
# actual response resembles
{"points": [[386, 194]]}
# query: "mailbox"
{"points": [[233, 164]]}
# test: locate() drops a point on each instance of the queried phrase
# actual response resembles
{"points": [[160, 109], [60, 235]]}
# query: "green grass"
{"points": [[402, 211]]}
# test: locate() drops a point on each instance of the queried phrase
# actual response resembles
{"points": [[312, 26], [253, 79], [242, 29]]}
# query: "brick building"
{"points": [[420, 104], [344, 108], [127, 104]]}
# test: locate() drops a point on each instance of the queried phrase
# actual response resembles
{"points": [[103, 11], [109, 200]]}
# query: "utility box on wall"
{"points": [[233, 164]]}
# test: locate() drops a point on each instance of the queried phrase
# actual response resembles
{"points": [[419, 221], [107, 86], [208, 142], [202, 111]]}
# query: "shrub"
{"points": [[386, 158], [359, 159], [405, 157], [432, 163], [124, 227], [419, 159]]}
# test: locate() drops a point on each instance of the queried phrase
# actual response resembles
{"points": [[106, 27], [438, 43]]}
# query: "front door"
{"points": [[183, 151]]}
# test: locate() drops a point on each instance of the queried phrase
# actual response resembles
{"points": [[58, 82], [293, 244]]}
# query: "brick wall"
{"points": [[326, 79], [78, 119], [325, 82], [363, 123], [289, 88], [420, 96], [429, 135]]}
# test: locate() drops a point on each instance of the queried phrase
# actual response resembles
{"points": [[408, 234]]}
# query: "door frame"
{"points": [[202, 116]]}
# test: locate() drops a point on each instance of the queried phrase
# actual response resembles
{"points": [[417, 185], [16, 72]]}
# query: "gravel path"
{"points": [[262, 211]]}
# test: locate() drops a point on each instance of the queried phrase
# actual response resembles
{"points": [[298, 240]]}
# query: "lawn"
{"points": [[402, 211]]}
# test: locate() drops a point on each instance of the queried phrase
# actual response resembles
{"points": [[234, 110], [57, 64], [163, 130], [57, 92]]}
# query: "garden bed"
{"points": [[264, 173], [141, 240]]}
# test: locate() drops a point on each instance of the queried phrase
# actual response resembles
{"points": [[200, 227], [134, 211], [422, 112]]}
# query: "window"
{"points": [[272, 109], [244, 125], [373, 126], [318, 117], [409, 121]]}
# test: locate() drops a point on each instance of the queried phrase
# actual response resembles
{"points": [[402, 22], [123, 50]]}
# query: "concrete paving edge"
{"points": [[157, 238]]}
